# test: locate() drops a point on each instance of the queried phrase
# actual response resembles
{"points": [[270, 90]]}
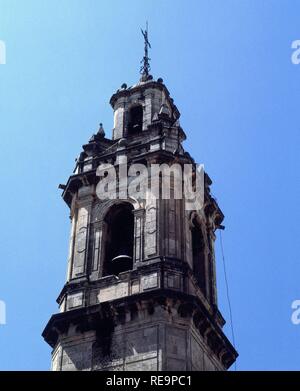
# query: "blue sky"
{"points": [[228, 67]]}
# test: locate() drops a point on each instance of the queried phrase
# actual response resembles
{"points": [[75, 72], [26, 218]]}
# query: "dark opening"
{"points": [[119, 240], [135, 124], [199, 265]]}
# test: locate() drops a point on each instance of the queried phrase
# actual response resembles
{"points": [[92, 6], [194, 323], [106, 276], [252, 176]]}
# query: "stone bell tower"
{"points": [[141, 282]]}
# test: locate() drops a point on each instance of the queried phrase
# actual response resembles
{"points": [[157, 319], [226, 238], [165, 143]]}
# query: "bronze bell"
{"points": [[121, 263]]}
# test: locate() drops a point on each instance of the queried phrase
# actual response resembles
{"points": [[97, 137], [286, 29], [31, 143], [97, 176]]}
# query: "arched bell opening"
{"points": [[119, 239], [135, 123], [199, 257]]}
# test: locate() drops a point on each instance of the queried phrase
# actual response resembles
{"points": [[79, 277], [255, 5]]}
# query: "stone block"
{"points": [[149, 281], [75, 300]]}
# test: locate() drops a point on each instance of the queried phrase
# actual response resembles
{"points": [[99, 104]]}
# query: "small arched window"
{"points": [[199, 257], [119, 239], [135, 124]]}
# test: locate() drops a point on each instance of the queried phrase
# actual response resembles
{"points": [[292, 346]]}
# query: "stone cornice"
{"points": [[111, 313]]}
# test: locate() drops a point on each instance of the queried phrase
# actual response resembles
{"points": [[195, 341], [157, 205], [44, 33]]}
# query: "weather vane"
{"points": [[145, 68]]}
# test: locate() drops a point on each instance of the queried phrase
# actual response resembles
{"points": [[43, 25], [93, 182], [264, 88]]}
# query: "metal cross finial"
{"points": [[145, 68]]}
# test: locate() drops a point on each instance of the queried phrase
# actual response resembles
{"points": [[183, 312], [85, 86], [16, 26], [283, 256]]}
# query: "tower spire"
{"points": [[145, 68]]}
